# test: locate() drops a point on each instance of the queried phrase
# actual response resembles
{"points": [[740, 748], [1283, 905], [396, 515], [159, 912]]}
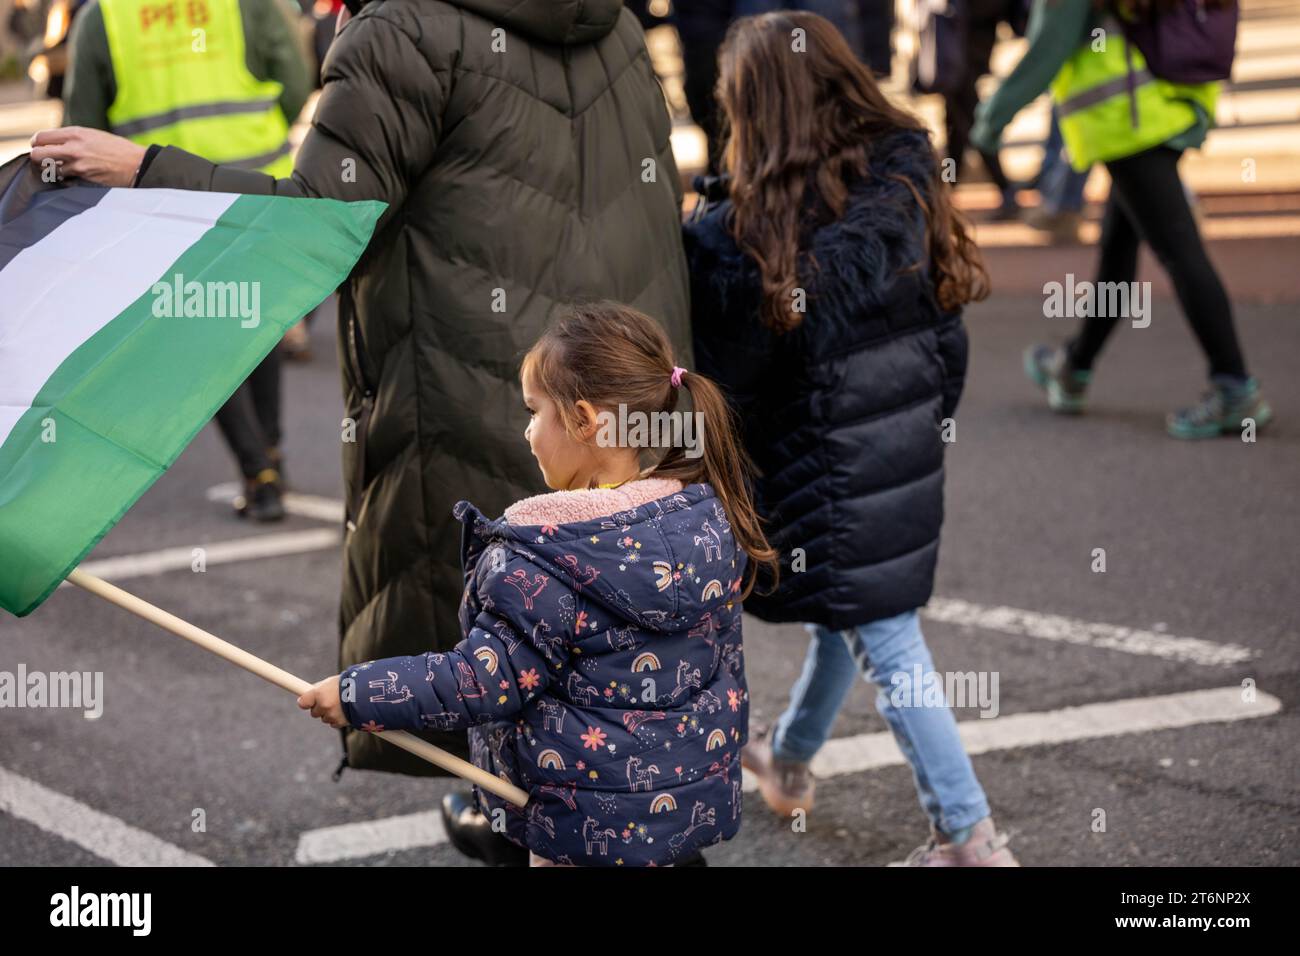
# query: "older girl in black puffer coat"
{"points": [[828, 274]]}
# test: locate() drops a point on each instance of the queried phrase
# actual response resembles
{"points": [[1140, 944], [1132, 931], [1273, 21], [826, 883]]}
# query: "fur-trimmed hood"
{"points": [[660, 562]]}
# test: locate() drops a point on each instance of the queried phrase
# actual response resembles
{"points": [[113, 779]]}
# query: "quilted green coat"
{"points": [[523, 149]]}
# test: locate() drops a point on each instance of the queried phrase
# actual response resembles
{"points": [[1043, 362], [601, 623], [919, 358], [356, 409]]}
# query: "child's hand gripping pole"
{"points": [[282, 678]]}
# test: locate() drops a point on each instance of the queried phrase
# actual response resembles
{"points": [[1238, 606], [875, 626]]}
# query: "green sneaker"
{"points": [[1050, 370], [1221, 410]]}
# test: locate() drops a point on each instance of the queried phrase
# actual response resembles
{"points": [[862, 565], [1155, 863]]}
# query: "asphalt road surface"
{"points": [[1118, 691]]}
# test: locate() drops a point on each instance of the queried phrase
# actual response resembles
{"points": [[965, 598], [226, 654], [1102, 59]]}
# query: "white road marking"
{"points": [[215, 552], [1052, 627], [103, 835], [847, 755], [352, 841], [1087, 722]]}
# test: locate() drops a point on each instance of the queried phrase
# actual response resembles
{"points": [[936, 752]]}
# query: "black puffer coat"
{"points": [[844, 416], [523, 149]]}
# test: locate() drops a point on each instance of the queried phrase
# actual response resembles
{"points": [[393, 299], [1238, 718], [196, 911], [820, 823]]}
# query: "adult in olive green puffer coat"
{"points": [[523, 148]]}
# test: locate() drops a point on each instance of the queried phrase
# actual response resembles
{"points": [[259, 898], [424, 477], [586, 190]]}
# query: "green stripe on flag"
{"points": [[129, 399]]}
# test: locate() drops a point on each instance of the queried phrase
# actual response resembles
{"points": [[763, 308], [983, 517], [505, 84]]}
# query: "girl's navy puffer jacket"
{"points": [[601, 671], [844, 416]]}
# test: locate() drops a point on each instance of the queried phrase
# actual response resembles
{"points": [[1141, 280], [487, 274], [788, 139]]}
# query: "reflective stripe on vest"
{"points": [[1103, 91], [1106, 113], [182, 81]]}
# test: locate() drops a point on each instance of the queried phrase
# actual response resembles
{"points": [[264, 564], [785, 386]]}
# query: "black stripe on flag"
{"points": [[30, 209]]}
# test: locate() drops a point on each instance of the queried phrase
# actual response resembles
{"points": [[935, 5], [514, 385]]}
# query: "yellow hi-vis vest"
{"points": [[1099, 118], [182, 81]]}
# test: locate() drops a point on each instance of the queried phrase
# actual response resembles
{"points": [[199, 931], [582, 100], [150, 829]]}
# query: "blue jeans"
{"points": [[1059, 185], [945, 780]]}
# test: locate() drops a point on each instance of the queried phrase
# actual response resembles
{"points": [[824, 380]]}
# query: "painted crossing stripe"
{"points": [[1053, 627], [105, 836], [1088, 722], [216, 552], [354, 841], [864, 752]]}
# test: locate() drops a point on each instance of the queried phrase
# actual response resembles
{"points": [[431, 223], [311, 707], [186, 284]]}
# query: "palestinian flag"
{"points": [[127, 318]]}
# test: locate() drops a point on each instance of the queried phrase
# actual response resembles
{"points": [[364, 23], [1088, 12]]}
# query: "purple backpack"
{"points": [[1189, 43]]}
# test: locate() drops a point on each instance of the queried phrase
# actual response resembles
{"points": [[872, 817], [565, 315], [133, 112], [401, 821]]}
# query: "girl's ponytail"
{"points": [[726, 465]]}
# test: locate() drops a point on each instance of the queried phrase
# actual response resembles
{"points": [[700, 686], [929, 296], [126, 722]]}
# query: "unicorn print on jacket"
{"points": [[602, 671]]}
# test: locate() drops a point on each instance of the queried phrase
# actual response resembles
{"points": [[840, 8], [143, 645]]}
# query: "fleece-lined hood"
{"points": [[567, 22], [684, 537]]}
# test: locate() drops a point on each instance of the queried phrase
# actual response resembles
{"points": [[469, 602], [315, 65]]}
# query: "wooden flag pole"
{"points": [[282, 678]]}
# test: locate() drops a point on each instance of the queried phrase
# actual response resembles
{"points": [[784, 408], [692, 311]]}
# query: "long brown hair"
{"points": [[795, 120], [610, 355]]}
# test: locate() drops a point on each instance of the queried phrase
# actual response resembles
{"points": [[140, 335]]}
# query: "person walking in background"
{"points": [[961, 99], [223, 79], [877, 23], [701, 25], [1115, 111], [828, 274], [1060, 186]]}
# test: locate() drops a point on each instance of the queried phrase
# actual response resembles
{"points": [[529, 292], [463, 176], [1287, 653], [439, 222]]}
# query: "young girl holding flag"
{"points": [[601, 668]]}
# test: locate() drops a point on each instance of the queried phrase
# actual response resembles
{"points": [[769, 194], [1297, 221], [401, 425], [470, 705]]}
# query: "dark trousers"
{"points": [[701, 27], [1147, 202], [959, 105], [250, 419]]}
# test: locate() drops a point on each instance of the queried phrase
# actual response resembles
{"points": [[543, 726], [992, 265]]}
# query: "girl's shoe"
{"points": [[1049, 368], [1222, 409], [786, 785], [471, 833], [984, 847]]}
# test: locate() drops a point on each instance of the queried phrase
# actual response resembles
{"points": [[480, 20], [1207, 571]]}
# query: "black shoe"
{"points": [[696, 860], [261, 499], [471, 833], [276, 458]]}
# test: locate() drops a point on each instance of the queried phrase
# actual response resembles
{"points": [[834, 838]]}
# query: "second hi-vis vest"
{"points": [[182, 81], [1099, 118]]}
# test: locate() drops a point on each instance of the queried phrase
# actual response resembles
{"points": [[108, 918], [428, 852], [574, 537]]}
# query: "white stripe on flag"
{"points": [[59, 292]]}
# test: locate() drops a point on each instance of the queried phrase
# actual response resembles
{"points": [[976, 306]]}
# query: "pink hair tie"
{"points": [[678, 372]]}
